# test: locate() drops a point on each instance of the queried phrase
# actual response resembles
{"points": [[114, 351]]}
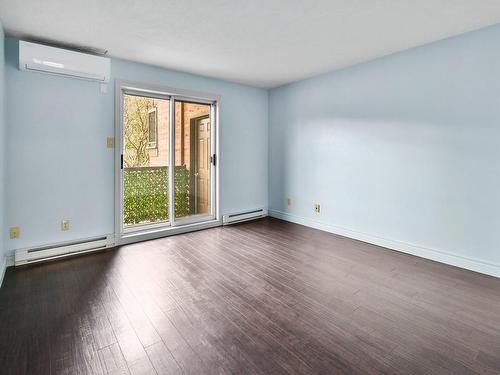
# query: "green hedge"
{"points": [[146, 194]]}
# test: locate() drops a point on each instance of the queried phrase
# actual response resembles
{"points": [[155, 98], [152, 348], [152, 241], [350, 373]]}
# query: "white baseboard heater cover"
{"points": [[63, 249], [244, 216]]}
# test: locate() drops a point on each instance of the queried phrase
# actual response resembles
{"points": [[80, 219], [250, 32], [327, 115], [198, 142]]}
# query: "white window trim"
{"points": [[153, 145]]}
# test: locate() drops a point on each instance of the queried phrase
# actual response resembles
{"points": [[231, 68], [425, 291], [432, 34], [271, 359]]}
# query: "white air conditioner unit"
{"points": [[41, 58]]}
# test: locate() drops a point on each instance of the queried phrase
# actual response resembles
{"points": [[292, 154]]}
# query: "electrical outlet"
{"points": [[317, 208], [14, 232], [64, 224], [110, 142], [289, 201]]}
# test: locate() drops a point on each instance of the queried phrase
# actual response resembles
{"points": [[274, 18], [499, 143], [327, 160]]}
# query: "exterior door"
{"points": [[202, 184], [194, 146]]}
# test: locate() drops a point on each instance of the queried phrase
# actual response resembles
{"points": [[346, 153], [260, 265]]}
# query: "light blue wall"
{"points": [[59, 166], [404, 148], [2, 152]]}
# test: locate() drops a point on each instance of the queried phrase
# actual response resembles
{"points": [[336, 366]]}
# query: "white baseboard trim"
{"points": [[3, 267], [10, 260], [404, 247]]}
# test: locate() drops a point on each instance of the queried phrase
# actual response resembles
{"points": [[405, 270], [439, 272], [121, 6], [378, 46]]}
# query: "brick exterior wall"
{"points": [[184, 112]]}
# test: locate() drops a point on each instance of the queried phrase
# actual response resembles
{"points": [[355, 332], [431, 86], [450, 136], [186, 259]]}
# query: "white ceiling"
{"points": [[263, 43]]}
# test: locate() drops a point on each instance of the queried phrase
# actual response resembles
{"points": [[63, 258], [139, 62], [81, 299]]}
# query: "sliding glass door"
{"points": [[167, 160]]}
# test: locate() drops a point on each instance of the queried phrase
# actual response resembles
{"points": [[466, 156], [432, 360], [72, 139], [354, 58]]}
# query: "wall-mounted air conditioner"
{"points": [[41, 58]]}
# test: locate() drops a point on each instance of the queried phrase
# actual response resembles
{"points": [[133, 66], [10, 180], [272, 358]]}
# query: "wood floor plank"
{"points": [[113, 361], [264, 297], [162, 359], [274, 314]]}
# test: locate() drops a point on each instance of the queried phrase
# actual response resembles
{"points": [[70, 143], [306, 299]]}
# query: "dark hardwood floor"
{"points": [[266, 297]]}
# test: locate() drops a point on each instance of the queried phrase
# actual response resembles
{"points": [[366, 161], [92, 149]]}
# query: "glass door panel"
{"points": [[193, 153], [146, 149]]}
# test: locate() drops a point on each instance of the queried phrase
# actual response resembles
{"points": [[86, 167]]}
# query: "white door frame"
{"points": [[174, 226]]}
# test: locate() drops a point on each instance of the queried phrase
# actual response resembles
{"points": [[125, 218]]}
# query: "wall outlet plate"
{"points": [[64, 224], [289, 201], [110, 142], [14, 232], [317, 208]]}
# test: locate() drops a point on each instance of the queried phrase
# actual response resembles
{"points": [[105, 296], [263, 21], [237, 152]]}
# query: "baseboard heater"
{"points": [[244, 216], [63, 249]]}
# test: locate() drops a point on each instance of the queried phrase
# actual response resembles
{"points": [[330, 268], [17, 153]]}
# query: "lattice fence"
{"points": [[146, 194]]}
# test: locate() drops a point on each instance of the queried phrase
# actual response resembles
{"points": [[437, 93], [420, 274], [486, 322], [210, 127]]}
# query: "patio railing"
{"points": [[146, 191]]}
